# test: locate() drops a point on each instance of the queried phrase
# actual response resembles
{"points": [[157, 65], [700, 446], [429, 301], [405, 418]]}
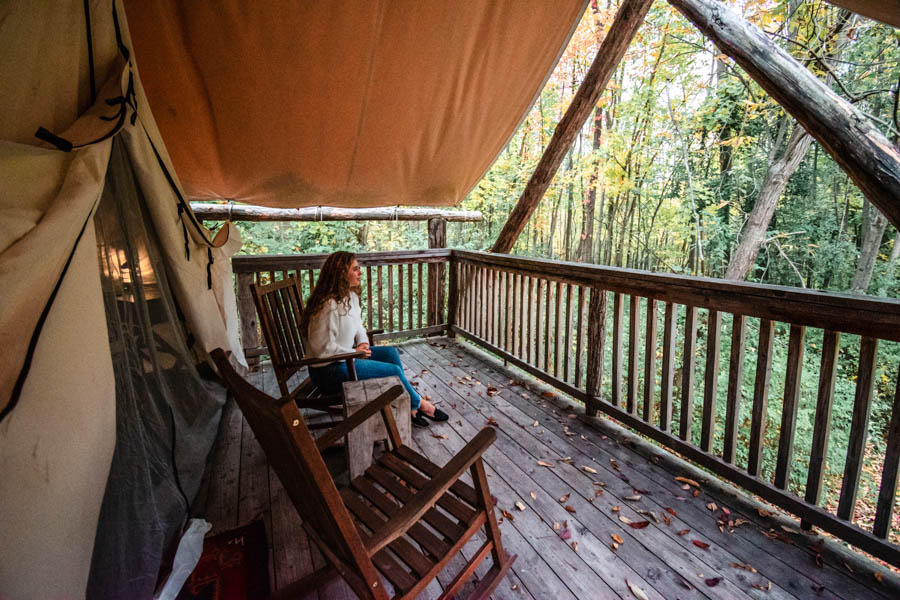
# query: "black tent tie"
{"points": [[209, 265]]}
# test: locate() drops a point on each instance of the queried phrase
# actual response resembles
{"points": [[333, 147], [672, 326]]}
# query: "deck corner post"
{"points": [[247, 315], [437, 272], [596, 336]]}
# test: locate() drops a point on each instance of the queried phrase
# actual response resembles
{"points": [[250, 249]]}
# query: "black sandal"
{"points": [[418, 420], [438, 416]]}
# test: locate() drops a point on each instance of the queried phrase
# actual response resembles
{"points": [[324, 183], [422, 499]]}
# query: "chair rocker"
{"points": [[393, 529], [280, 305]]}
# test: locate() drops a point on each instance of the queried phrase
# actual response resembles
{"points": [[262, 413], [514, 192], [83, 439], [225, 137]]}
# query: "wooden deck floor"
{"points": [[598, 484]]}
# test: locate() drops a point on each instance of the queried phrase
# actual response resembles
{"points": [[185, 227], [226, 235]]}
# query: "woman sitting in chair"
{"points": [[333, 325]]}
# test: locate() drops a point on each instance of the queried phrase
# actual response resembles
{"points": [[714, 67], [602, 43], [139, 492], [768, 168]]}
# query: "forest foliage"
{"points": [[665, 174]]}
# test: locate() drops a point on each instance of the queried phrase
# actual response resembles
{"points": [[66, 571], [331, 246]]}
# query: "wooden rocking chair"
{"points": [[280, 305], [400, 523]]}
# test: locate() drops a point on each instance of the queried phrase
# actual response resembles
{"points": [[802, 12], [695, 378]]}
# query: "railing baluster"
{"points": [[579, 336], [596, 339], [511, 312], [419, 294], [687, 373], [650, 362], [735, 377], [710, 386], [520, 286], [312, 281], [822, 426], [667, 379], [506, 309], [618, 318], [380, 300], [531, 337], [859, 427], [547, 311], [490, 306], [796, 345], [761, 394], [568, 322], [409, 309], [556, 333], [369, 295], [886, 493], [399, 297], [391, 303], [633, 331]]}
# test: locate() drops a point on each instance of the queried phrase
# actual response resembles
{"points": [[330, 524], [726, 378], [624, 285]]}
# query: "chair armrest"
{"points": [[427, 496], [349, 424], [371, 335], [333, 358]]}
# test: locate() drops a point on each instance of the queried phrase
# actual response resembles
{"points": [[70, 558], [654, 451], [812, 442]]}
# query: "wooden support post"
{"points": [[453, 298], [595, 339], [843, 130], [437, 238], [247, 313], [629, 17]]}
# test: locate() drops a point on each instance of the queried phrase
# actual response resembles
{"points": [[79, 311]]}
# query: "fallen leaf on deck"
{"points": [[744, 566], [684, 532], [614, 546], [565, 497], [599, 483], [768, 586], [671, 511], [492, 422], [687, 481], [548, 395], [514, 587], [535, 424], [639, 524], [574, 546], [589, 470], [492, 391], [684, 584], [520, 505], [712, 506], [617, 538], [625, 520], [439, 436], [712, 581], [556, 526], [636, 591], [570, 509], [763, 512], [695, 493], [494, 499], [700, 544], [634, 498], [542, 463], [508, 515], [789, 529], [615, 508], [878, 577], [739, 522], [533, 495], [565, 534], [666, 518], [598, 492]]}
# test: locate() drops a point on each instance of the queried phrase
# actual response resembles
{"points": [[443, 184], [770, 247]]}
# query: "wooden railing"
{"points": [[551, 318], [579, 328], [403, 292]]}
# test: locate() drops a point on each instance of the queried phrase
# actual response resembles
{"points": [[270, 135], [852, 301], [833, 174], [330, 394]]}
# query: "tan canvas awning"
{"points": [[343, 103]]}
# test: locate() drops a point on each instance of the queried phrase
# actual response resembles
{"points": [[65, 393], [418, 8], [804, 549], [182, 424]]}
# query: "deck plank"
{"points": [[241, 488], [788, 565]]}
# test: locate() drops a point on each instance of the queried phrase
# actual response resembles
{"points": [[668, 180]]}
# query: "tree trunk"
{"points": [[628, 19], [842, 129], [758, 221], [873, 226]]}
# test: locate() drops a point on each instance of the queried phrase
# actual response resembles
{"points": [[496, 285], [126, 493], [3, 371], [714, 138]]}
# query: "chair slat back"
{"points": [[291, 450], [280, 306]]}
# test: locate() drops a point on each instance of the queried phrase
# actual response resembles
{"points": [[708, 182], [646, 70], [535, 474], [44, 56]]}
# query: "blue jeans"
{"points": [[384, 362]]}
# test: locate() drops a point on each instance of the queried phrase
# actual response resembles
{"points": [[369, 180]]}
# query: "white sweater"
{"points": [[336, 330]]}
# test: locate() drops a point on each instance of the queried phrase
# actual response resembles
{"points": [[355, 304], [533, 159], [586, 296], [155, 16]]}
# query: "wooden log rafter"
{"points": [[628, 19], [243, 212], [866, 155]]}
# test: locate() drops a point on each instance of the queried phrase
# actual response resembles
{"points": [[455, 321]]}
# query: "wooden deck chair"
{"points": [[280, 305], [398, 524]]}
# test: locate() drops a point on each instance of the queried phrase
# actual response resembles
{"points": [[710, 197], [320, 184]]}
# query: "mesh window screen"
{"points": [[167, 414]]}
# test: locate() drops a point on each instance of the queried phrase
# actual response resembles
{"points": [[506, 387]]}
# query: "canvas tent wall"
{"points": [[69, 68], [58, 399]]}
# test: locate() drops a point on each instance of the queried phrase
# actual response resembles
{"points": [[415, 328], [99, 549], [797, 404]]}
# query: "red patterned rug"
{"points": [[234, 566]]}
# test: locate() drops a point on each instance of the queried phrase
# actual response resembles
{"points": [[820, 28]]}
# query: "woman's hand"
{"points": [[364, 347]]}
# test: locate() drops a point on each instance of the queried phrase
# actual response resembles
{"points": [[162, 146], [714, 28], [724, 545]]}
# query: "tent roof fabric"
{"points": [[344, 103]]}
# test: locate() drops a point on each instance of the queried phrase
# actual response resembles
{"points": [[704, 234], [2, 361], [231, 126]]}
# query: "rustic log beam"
{"points": [[243, 212], [628, 18], [886, 12], [843, 131]]}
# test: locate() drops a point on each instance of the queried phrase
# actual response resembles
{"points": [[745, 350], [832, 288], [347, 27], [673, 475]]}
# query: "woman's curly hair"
{"points": [[332, 285]]}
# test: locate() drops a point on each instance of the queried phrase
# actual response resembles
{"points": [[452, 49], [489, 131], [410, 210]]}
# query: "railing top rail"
{"points": [[280, 262], [872, 317]]}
